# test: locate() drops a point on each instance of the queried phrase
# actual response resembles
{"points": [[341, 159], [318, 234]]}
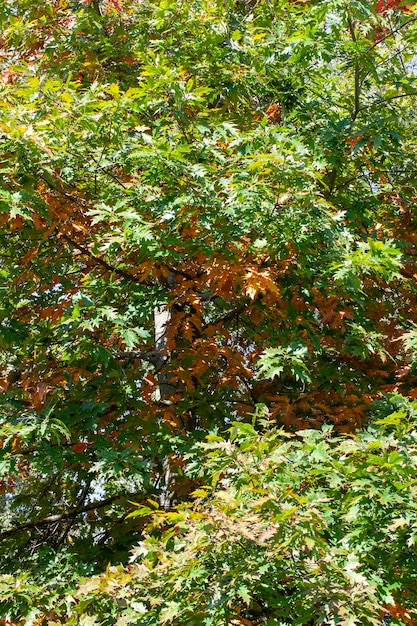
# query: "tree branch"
{"points": [[81, 500], [385, 100], [152, 356], [391, 33], [102, 262], [66, 515], [227, 316]]}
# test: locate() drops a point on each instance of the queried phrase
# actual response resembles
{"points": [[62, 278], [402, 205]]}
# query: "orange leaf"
{"points": [[80, 447]]}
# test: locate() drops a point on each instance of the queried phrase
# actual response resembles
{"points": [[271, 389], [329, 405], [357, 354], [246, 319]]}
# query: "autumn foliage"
{"points": [[383, 6], [207, 218]]}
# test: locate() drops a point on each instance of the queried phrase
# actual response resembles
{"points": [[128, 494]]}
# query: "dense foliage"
{"points": [[290, 529], [207, 221]]}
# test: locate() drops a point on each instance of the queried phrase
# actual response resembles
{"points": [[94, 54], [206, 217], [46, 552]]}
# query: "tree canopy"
{"points": [[208, 314]]}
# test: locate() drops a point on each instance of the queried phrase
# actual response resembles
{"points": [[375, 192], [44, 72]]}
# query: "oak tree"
{"points": [[207, 213]]}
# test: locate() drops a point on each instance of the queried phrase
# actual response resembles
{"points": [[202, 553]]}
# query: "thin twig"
{"points": [[385, 100], [391, 33]]}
